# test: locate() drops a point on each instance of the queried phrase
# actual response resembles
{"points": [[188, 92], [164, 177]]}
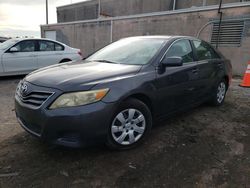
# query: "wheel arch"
{"points": [[65, 60], [226, 77], [143, 98]]}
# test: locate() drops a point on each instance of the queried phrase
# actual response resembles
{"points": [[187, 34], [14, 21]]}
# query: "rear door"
{"points": [[49, 53], [22, 61], [209, 64], [177, 85]]}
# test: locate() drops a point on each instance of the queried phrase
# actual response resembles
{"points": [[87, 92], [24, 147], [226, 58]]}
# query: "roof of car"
{"points": [[21, 39], [30, 38], [167, 37]]}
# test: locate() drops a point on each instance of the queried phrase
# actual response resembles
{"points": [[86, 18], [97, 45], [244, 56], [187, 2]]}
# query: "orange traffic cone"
{"points": [[246, 79]]}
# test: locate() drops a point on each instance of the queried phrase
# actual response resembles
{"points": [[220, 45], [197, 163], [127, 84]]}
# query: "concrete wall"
{"points": [[86, 36], [214, 2], [91, 36]]}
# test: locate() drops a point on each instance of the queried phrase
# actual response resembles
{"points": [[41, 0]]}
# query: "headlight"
{"points": [[78, 98]]}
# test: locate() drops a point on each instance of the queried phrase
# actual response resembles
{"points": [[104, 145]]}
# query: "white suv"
{"points": [[21, 56]]}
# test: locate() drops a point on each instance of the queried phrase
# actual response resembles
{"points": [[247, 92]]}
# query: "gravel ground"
{"points": [[205, 147]]}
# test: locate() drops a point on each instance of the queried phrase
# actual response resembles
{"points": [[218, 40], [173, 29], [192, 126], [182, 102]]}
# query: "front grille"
{"points": [[35, 98]]}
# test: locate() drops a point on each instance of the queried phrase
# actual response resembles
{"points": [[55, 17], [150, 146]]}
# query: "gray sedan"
{"points": [[116, 94]]}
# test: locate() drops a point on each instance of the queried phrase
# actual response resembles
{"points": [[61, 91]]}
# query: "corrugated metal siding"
{"points": [[230, 33]]}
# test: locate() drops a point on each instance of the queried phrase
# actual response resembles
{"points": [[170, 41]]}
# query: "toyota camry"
{"points": [[115, 94]]}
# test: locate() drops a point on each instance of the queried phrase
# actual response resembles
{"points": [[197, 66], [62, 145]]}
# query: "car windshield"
{"points": [[7, 44], [133, 51]]}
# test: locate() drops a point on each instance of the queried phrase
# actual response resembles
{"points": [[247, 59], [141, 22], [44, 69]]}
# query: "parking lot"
{"points": [[205, 147]]}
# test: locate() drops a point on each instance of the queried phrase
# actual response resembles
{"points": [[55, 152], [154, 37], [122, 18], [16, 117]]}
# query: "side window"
{"points": [[204, 51], [26, 46], [49, 46], [181, 49], [59, 47], [215, 55], [46, 46]]}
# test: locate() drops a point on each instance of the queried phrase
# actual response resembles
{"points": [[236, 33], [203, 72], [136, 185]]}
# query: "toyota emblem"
{"points": [[24, 89]]}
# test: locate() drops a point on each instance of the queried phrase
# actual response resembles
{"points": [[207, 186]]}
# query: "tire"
{"points": [[219, 93], [127, 131]]}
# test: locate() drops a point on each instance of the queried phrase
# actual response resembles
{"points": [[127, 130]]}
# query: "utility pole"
{"points": [[204, 2], [174, 4], [99, 8], [219, 29], [47, 19]]}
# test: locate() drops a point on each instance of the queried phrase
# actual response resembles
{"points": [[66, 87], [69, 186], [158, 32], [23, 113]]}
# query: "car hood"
{"points": [[80, 75]]}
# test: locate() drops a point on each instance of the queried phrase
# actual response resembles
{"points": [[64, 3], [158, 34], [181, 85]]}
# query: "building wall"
{"points": [[130, 7], [89, 9], [92, 36], [79, 11], [180, 4], [214, 2], [110, 8]]}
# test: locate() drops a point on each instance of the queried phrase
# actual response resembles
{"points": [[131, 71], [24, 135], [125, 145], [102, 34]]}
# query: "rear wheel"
{"points": [[219, 93], [130, 125]]}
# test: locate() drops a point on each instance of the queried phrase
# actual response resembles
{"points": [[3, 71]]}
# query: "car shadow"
{"points": [[11, 78], [172, 145]]}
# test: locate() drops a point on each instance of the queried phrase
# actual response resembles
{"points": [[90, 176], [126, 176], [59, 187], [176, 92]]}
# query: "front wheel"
{"points": [[219, 93], [130, 125]]}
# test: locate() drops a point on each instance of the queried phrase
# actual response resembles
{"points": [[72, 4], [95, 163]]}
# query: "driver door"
{"points": [[177, 85], [22, 61]]}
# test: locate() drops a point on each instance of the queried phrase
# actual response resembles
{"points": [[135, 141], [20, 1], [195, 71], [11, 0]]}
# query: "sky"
{"points": [[24, 17]]}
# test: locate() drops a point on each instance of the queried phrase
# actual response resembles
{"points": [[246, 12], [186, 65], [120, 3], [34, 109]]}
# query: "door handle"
{"points": [[195, 70], [191, 89], [219, 65], [32, 55]]}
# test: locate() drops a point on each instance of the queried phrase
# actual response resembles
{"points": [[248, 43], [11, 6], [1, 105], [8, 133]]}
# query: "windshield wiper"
{"points": [[105, 61]]}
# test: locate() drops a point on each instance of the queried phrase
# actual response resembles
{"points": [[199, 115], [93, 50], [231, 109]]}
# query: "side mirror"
{"points": [[13, 49], [172, 61]]}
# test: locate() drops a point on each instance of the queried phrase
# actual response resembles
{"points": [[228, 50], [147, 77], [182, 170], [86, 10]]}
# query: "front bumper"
{"points": [[71, 127]]}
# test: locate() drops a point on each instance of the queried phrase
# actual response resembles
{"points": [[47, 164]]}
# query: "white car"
{"points": [[22, 56]]}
